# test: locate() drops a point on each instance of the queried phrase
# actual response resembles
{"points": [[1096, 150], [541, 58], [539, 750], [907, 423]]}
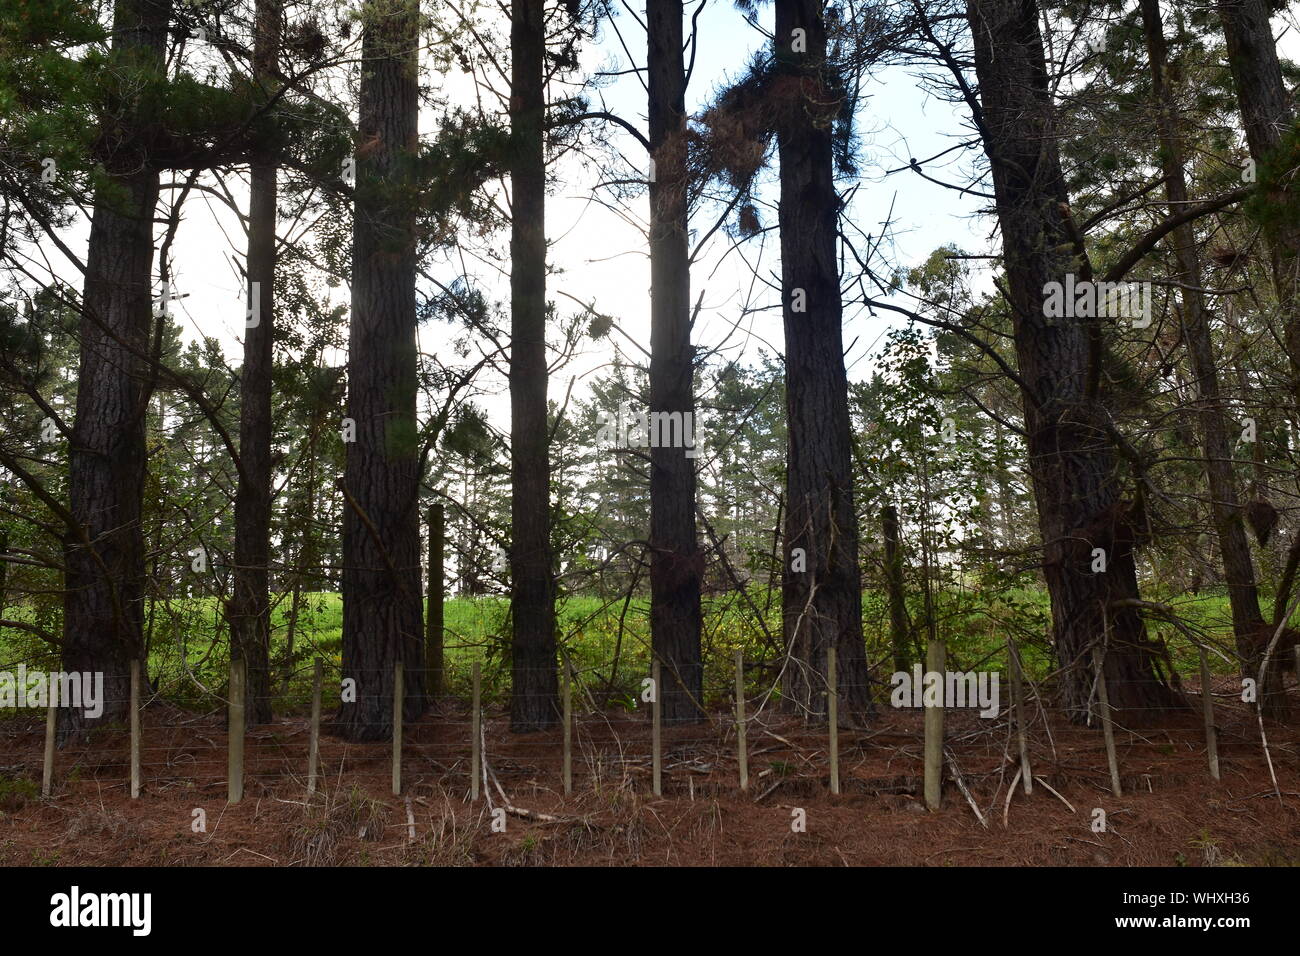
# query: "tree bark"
{"points": [[822, 605], [676, 562], [1071, 455], [899, 624], [1268, 114], [249, 610], [534, 700], [382, 614], [1238, 567], [105, 559]]}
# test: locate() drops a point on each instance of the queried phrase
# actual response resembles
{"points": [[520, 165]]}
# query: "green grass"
{"points": [[189, 659]]}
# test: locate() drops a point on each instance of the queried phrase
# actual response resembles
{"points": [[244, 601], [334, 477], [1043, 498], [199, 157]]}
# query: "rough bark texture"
{"points": [[899, 625], [1238, 566], [382, 620], [103, 601], [1268, 114], [822, 605], [1071, 455], [249, 610], [535, 688], [676, 562]]}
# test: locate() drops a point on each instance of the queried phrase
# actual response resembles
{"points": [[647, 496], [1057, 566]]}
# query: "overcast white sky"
{"points": [[599, 257], [603, 258]]}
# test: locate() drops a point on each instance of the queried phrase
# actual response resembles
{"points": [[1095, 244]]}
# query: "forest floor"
{"points": [[1171, 812]]}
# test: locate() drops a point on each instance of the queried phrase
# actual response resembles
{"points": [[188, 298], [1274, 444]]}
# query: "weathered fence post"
{"points": [[313, 747], [935, 662], [655, 730], [51, 725], [1108, 731], [1207, 711], [568, 726], [399, 699], [433, 628], [475, 751], [1018, 705], [741, 753], [135, 730], [235, 734], [833, 715]]}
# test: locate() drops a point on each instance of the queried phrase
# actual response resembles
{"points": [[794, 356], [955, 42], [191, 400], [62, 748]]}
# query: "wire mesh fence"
{"points": [[934, 734]]}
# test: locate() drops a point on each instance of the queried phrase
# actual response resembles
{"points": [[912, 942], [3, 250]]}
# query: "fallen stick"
{"points": [[513, 810], [1055, 794], [482, 770], [961, 785], [1006, 806], [695, 766], [1259, 705], [493, 774], [1081, 840], [536, 816], [769, 790], [244, 849]]}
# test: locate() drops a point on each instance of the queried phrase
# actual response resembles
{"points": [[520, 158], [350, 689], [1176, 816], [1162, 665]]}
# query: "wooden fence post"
{"points": [[1108, 731], [135, 730], [313, 748], [51, 725], [1018, 705], [475, 751], [235, 734], [833, 715], [399, 700], [655, 731], [1207, 711], [935, 662], [741, 753]]}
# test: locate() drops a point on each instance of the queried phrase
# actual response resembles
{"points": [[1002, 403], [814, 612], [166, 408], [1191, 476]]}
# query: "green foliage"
{"points": [[1275, 204], [15, 791]]}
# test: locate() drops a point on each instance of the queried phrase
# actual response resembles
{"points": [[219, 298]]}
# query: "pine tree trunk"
{"points": [[1238, 567], [382, 599], [899, 625], [676, 562], [249, 610], [535, 689], [822, 603], [1071, 454], [105, 555], [1268, 114]]}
